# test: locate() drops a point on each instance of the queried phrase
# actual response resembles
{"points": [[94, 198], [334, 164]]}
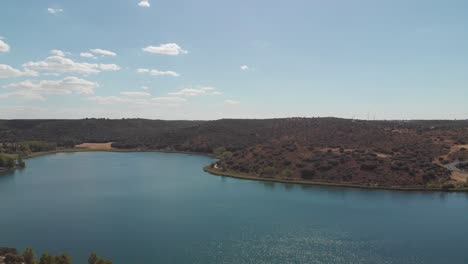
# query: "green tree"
{"points": [[103, 261], [219, 151], [227, 154], [46, 259], [286, 173], [21, 162], [10, 163], [92, 258], [29, 256], [62, 259]]}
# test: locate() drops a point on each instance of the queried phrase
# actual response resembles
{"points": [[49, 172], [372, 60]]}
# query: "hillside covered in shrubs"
{"points": [[329, 150]]}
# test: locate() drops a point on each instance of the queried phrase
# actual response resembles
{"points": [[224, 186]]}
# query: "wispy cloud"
{"points": [[87, 55], [138, 99], [169, 100], [166, 49], [187, 92], [244, 67], [39, 89], [4, 47], [158, 72], [103, 52], [231, 102], [60, 64], [136, 94], [144, 3], [60, 53], [6, 71], [54, 10]]}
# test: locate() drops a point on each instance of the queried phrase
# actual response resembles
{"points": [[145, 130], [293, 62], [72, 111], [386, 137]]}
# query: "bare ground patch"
{"points": [[95, 146]]}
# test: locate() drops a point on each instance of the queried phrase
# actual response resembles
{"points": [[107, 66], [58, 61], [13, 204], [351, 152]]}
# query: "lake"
{"points": [[162, 208]]}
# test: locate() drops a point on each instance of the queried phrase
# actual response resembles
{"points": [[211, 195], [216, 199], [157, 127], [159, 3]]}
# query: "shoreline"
{"points": [[73, 150], [243, 176]]}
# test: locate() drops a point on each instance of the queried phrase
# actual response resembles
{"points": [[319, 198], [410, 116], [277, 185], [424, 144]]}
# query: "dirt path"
{"points": [[96, 146]]}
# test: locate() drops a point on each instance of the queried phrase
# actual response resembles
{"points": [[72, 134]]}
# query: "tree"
{"points": [[13, 259], [219, 151], [21, 162], [46, 259], [227, 154], [10, 163], [287, 173], [92, 258], [62, 259], [103, 261], [29, 256]]}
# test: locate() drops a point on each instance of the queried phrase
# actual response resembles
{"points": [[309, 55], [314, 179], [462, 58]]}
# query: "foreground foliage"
{"points": [[11, 256]]}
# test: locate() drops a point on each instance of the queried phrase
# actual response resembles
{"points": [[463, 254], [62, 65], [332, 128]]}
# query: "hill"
{"points": [[332, 150]]}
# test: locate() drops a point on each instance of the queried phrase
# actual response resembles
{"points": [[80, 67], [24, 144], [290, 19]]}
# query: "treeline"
{"points": [[9, 162], [12, 256], [232, 134]]}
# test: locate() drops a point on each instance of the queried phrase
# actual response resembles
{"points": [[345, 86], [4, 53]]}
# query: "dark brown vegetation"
{"points": [[370, 153], [12, 256]]}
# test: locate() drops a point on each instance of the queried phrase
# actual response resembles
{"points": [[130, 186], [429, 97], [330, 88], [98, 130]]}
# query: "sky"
{"points": [[212, 59]]}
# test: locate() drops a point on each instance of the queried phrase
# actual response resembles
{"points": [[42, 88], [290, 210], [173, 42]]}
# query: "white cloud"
{"points": [[60, 53], [196, 91], [158, 73], [39, 89], [4, 47], [135, 99], [107, 99], [104, 52], [168, 99], [63, 65], [136, 94], [231, 102], [109, 67], [7, 71], [167, 49], [144, 3], [146, 88], [54, 10], [244, 67], [87, 55]]}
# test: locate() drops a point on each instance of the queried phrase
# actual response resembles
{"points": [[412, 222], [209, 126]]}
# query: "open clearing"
{"points": [[96, 146]]}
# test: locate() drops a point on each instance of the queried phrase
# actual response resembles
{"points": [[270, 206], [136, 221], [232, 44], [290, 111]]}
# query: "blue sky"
{"points": [[211, 59]]}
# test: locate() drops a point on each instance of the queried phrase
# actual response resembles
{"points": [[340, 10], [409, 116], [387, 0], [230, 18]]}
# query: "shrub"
{"points": [[307, 174], [219, 151], [6, 250], [368, 166], [29, 256], [286, 173], [227, 154], [268, 172], [447, 186], [13, 259], [300, 165]]}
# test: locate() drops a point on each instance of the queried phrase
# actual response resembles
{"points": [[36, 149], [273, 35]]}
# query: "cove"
{"points": [[162, 208]]}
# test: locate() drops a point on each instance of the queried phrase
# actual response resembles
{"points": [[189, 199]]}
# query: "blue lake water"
{"points": [[162, 208]]}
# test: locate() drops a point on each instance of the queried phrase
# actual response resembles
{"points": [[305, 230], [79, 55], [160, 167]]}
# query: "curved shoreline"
{"points": [[243, 176], [73, 150]]}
